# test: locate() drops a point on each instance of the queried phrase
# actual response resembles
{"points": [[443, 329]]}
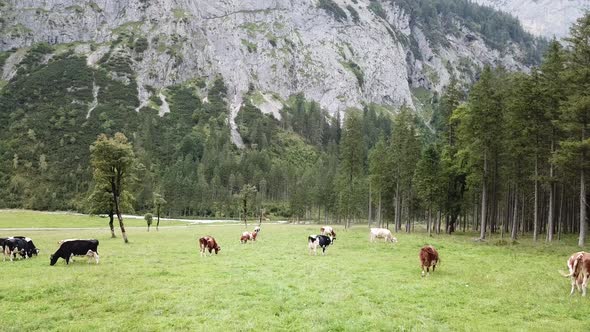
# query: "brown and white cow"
{"points": [[208, 243], [428, 257], [329, 231], [381, 233], [578, 265], [250, 236]]}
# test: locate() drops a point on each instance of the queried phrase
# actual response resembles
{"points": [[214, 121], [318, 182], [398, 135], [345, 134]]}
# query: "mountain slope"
{"points": [[543, 17], [172, 74]]}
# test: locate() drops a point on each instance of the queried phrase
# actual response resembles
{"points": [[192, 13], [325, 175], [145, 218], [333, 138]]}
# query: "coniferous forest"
{"points": [[508, 155]]}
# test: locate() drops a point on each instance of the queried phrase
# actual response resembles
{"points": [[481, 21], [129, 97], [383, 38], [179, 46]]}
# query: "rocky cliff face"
{"points": [[278, 47], [547, 18]]}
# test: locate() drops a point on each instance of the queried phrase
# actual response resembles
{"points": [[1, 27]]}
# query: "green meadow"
{"points": [[158, 282]]}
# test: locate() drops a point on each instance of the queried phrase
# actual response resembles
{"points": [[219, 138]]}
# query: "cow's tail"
{"points": [[573, 268]]}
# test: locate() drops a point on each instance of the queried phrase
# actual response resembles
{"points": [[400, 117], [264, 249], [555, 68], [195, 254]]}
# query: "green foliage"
{"points": [[499, 29], [250, 46], [148, 217], [353, 14], [3, 57], [140, 45], [333, 10], [375, 7], [357, 71]]}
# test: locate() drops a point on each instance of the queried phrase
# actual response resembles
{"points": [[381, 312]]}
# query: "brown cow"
{"points": [[428, 258], [579, 271], [208, 243]]}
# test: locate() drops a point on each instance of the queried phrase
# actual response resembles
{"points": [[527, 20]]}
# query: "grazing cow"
{"points": [[15, 246], [327, 230], [250, 235], [70, 248], [315, 241], [208, 243], [381, 233], [2, 240], [428, 258], [579, 271], [18, 245], [30, 250], [11, 247]]}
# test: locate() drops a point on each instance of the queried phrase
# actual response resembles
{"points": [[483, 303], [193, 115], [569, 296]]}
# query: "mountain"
{"points": [[172, 74], [547, 18], [339, 53]]}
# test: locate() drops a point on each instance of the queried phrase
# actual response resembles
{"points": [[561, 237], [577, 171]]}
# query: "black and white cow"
{"points": [[70, 248], [315, 241], [30, 249], [13, 247]]}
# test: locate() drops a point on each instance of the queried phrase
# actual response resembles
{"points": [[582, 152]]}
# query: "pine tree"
{"points": [[575, 116], [552, 89], [352, 158]]}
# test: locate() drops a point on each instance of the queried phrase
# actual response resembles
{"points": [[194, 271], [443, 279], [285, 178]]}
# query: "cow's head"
{"points": [[217, 249], [393, 239], [53, 259]]}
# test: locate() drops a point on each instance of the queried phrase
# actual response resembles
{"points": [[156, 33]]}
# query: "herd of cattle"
{"points": [[22, 247]]}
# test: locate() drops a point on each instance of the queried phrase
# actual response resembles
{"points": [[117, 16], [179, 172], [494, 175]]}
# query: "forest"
{"points": [[506, 155]]}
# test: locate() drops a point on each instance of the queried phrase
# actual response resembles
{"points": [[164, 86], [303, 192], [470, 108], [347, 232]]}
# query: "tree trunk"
{"points": [[484, 198], [582, 238], [397, 208], [158, 222], [536, 207], [429, 222], [515, 215], [560, 218], [370, 205], [117, 200], [379, 212], [111, 225]]}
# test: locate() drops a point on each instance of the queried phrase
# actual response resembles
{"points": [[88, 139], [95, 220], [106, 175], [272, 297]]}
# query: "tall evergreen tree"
{"points": [[575, 116], [352, 158]]}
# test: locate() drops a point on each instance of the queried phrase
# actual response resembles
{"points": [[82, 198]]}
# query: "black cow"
{"points": [[315, 241], [30, 249], [70, 248], [2, 241]]}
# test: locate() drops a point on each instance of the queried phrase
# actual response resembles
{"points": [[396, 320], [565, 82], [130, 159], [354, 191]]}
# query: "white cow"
{"points": [[381, 233]]}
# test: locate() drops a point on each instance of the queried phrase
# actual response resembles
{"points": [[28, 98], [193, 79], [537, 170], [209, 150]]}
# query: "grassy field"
{"points": [[158, 282]]}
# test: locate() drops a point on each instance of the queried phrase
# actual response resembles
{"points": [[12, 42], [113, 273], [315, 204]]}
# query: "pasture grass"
{"points": [[158, 282]]}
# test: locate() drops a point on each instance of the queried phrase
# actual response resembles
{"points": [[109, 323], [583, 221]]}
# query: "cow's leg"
{"points": [[423, 274], [574, 284], [585, 285]]}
